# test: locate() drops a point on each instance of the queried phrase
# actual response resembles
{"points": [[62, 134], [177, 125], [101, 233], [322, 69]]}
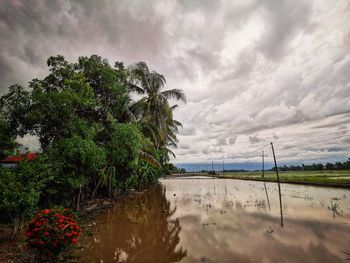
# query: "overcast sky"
{"points": [[252, 71]]}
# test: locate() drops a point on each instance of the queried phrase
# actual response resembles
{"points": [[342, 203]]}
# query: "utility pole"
{"points": [[263, 164], [223, 166], [278, 182]]}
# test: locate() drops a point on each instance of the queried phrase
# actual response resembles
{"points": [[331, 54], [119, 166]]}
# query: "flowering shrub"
{"points": [[52, 230]]}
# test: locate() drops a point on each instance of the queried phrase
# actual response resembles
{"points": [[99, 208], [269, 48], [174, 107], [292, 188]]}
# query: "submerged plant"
{"points": [[335, 208]]}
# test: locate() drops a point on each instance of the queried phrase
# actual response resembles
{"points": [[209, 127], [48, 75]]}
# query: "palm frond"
{"points": [[149, 159], [128, 112], [174, 93], [134, 88], [171, 152], [177, 123]]}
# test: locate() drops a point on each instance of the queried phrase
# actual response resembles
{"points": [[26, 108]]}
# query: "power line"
{"points": [[307, 134], [310, 137], [314, 144]]}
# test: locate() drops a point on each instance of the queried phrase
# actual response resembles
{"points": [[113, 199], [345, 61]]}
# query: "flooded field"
{"points": [[223, 220]]}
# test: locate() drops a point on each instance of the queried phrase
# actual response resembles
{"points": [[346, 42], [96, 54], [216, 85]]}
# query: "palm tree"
{"points": [[153, 109]]}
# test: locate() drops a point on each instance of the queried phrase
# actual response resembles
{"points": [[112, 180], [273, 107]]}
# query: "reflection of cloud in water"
{"points": [[242, 233]]}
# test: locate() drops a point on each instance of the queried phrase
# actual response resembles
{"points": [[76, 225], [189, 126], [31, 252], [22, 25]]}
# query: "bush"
{"points": [[77, 160], [52, 231], [20, 190]]}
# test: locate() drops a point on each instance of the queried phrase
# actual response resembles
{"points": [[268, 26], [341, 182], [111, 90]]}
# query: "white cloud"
{"points": [[253, 71]]}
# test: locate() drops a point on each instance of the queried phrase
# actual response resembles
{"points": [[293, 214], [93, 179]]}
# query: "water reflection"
{"points": [[212, 220], [140, 230], [236, 225], [267, 196]]}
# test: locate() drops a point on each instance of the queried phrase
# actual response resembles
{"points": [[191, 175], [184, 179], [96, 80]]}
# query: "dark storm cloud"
{"points": [[32, 31], [284, 19], [7, 72], [253, 71]]}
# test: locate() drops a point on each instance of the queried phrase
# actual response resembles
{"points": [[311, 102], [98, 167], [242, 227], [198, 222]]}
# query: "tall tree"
{"points": [[153, 110]]}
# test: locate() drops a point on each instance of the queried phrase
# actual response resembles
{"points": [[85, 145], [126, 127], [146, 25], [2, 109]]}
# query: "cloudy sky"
{"points": [[252, 71]]}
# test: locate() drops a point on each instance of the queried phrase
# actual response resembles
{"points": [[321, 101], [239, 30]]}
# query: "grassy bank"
{"points": [[338, 178]]}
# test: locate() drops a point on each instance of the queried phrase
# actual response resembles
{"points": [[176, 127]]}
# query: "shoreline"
{"points": [[267, 180], [14, 249]]}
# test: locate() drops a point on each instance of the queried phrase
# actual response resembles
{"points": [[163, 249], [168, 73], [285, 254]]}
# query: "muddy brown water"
{"points": [[222, 220]]}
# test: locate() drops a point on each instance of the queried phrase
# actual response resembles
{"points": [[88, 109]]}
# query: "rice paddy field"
{"points": [[325, 177], [204, 219]]}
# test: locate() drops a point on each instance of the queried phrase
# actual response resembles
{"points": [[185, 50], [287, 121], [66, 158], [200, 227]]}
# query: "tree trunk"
{"points": [[141, 181], [78, 199], [83, 194], [16, 226], [95, 190]]}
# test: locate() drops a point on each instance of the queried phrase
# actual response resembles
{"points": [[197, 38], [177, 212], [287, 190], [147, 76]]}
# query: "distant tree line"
{"points": [[225, 171], [172, 169], [315, 167]]}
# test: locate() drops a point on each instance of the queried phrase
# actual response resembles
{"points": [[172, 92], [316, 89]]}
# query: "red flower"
{"points": [[46, 211], [52, 230]]}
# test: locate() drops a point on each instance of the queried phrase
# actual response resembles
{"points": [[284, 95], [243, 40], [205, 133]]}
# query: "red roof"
{"points": [[17, 159]]}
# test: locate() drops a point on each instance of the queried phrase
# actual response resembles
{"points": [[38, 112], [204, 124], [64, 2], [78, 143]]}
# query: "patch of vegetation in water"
{"points": [[336, 177]]}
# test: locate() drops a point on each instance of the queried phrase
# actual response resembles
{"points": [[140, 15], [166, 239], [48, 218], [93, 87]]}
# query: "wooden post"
{"points": [[223, 166], [278, 183], [212, 166], [263, 165]]}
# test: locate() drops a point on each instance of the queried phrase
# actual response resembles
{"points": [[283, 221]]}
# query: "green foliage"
{"points": [[323, 177], [21, 190], [124, 146], [76, 160], [153, 110], [15, 110], [78, 155], [7, 139], [132, 182], [169, 168], [95, 140], [315, 166]]}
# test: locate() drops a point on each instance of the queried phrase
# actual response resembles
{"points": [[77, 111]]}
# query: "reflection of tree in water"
{"points": [[155, 235], [140, 230]]}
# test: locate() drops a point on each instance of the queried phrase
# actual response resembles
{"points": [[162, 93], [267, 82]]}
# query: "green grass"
{"points": [[325, 177]]}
